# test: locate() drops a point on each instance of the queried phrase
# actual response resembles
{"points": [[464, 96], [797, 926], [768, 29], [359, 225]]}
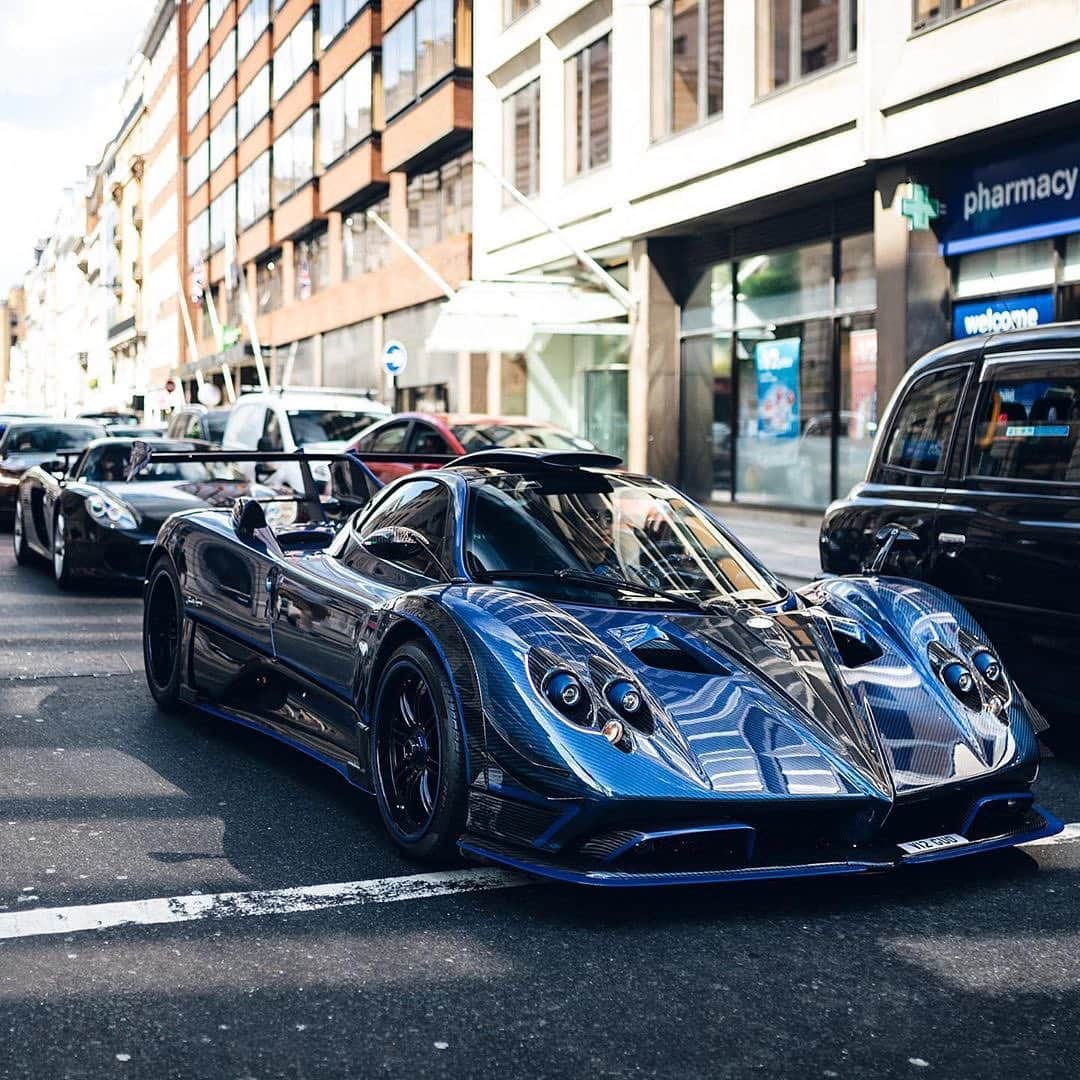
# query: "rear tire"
{"points": [[418, 757], [61, 568], [18, 535], [163, 621]]}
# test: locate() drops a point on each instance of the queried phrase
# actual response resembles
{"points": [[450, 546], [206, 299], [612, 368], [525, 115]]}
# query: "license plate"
{"points": [[933, 843]]}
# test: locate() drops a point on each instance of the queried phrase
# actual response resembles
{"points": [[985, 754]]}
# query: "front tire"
{"points": [[18, 535], [417, 756], [61, 566], [163, 621]]}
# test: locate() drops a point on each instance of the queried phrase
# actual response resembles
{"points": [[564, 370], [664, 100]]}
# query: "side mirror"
{"points": [[887, 536], [394, 543], [248, 517]]}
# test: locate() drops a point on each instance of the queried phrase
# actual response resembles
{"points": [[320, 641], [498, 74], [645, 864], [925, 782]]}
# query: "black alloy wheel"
{"points": [[162, 623], [417, 755]]}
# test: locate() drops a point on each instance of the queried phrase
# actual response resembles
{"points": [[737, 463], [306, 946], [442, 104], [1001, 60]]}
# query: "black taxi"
{"points": [[974, 486]]}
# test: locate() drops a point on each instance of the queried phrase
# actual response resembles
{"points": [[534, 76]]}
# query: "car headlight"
{"points": [[110, 513], [988, 666]]}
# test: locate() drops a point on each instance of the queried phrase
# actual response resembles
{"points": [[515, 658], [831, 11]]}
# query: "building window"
{"points": [[348, 357], [268, 284], [250, 24], [198, 237], [253, 191], [254, 102], [521, 138], [311, 264], [223, 139], [223, 64], [928, 13], [364, 246], [198, 102], [223, 218], [514, 9], [198, 35], [797, 38], [294, 157], [687, 46], [588, 108], [417, 51], [440, 202], [334, 16], [345, 112], [198, 167], [217, 9], [294, 56]]}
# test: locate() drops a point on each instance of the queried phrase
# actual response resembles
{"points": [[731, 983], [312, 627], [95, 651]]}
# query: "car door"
{"points": [[390, 438], [1008, 529], [905, 483], [321, 599]]}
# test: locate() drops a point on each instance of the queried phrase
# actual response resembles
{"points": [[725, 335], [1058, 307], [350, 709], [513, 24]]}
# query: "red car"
{"points": [[456, 433]]}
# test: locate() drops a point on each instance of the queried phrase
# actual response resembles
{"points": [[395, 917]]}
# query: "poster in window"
{"points": [[863, 346], [777, 366]]}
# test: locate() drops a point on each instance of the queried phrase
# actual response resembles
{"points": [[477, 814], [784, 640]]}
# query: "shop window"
{"points": [[311, 264], [198, 102], [798, 38], [334, 16], [588, 108], [440, 202], [1029, 429], [857, 421], [856, 289], [294, 56], [687, 46], [417, 52], [268, 284], [294, 158], [783, 286], [928, 13], [1006, 269], [521, 138], [254, 102], [253, 191], [223, 64], [345, 112], [250, 24], [512, 10], [919, 440], [364, 246], [223, 139]]}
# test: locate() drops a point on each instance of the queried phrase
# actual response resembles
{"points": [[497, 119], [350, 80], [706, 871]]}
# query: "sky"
{"points": [[62, 66]]}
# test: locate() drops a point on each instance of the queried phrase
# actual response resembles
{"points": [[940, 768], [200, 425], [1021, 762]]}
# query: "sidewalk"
{"points": [[787, 543]]}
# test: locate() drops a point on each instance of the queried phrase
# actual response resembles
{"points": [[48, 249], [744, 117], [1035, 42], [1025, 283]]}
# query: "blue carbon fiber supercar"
{"points": [[537, 659]]}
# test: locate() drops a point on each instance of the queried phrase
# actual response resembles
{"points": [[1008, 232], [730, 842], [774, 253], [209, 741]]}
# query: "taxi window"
{"points": [[920, 435], [1028, 428]]}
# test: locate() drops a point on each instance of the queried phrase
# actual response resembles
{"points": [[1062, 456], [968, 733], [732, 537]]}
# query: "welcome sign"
{"points": [[988, 204]]}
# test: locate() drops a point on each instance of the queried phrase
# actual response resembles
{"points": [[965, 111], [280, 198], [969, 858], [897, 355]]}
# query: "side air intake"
{"points": [[671, 656]]}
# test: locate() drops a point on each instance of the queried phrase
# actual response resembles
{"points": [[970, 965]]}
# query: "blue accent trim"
{"points": [[1022, 796], [1052, 827], [659, 834], [323, 759], [1011, 236], [614, 879], [544, 840]]}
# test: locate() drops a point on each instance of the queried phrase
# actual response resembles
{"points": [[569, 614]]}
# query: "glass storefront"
{"points": [[783, 347]]}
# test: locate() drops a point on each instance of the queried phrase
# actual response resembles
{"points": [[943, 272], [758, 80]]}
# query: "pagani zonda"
{"points": [[82, 514], [541, 661]]}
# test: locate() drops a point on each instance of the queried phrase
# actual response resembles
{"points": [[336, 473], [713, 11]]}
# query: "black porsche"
{"points": [[80, 511]]}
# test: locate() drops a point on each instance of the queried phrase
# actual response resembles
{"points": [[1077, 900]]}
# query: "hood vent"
{"points": [[671, 656], [855, 646]]}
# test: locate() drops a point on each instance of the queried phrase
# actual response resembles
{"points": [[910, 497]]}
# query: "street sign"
{"points": [[170, 386], [394, 357]]}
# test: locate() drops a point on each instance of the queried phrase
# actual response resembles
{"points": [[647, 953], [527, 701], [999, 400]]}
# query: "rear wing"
{"points": [[352, 483]]}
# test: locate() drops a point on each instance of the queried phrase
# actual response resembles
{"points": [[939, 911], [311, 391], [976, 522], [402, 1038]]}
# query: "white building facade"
{"points": [[803, 196]]}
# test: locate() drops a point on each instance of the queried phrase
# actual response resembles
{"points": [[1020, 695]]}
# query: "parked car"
{"points": [[538, 660], [320, 421], [974, 487], [90, 521], [27, 443], [457, 433], [11, 417], [110, 417], [198, 422], [136, 431]]}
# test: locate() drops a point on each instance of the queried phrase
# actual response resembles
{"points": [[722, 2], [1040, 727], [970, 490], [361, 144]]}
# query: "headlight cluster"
{"points": [[110, 513], [977, 679]]}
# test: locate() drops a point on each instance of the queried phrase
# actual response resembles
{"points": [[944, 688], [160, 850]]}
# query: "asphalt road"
{"points": [[971, 970]]}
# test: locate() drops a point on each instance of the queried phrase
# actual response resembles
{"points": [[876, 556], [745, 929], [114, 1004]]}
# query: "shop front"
{"points": [[779, 370]]}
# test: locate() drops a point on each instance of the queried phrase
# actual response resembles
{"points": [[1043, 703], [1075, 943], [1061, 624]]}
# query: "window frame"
{"points": [[845, 53], [584, 55], [532, 191], [882, 466], [340, 85], [325, 43], [419, 91], [241, 223], [243, 50], [307, 19], [951, 15], [668, 80]]}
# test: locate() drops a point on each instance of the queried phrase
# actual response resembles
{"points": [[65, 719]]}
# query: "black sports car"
{"points": [[26, 443], [83, 514]]}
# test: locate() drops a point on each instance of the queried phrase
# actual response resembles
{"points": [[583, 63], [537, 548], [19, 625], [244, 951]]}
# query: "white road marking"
{"points": [[42, 922], [66, 920]]}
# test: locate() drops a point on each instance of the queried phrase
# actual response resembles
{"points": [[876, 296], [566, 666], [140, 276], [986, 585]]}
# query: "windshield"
{"points": [[327, 425], [617, 527], [45, 438], [108, 465], [484, 436]]}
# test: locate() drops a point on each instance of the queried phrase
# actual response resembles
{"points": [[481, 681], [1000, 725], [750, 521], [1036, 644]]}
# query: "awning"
{"points": [[505, 315]]}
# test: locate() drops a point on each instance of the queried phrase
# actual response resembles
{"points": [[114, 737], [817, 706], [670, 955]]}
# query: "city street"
{"points": [[969, 969]]}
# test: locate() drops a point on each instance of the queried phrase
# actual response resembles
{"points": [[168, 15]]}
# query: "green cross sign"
{"points": [[919, 208]]}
